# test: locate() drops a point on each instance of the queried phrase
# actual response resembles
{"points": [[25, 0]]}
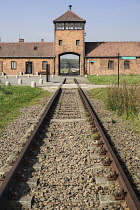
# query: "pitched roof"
{"points": [[106, 49], [69, 16], [46, 49], [27, 49]]}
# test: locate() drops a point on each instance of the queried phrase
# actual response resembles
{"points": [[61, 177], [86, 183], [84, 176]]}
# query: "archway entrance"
{"points": [[69, 64]]}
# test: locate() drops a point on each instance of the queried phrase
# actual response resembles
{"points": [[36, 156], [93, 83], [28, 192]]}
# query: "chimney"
{"points": [[42, 40], [21, 40]]}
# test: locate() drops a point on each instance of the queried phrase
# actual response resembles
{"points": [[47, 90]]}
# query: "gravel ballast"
{"points": [[125, 140], [16, 130], [123, 137]]}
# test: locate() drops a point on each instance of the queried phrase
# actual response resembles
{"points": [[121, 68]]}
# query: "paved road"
{"points": [[52, 85]]}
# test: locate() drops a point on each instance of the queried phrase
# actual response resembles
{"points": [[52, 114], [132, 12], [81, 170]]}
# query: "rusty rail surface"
{"points": [[130, 195], [9, 180]]}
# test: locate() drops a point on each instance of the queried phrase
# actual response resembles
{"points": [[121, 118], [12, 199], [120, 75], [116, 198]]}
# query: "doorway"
{"points": [[28, 67]]}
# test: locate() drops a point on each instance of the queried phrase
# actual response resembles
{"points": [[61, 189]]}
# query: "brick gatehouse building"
{"points": [[95, 58]]}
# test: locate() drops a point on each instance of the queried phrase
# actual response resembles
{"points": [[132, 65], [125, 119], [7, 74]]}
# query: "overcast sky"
{"points": [[106, 20]]}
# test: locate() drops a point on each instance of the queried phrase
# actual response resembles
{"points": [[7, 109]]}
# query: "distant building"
{"points": [[100, 58]]}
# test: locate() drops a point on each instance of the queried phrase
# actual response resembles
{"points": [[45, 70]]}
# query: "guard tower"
{"points": [[69, 38]]}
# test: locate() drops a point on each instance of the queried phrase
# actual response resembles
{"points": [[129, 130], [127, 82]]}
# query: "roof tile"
{"points": [[26, 49], [106, 49], [69, 16]]}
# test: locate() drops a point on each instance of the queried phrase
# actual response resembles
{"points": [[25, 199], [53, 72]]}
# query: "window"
{"points": [[60, 42], [126, 65], [111, 65], [35, 47], [79, 26], [44, 63], [66, 26], [13, 65], [59, 26], [69, 26], [77, 42]]}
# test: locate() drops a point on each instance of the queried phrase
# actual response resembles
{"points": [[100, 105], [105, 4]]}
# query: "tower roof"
{"points": [[68, 17]]}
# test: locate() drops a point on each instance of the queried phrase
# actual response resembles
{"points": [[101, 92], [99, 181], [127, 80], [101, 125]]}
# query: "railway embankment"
{"points": [[123, 138]]}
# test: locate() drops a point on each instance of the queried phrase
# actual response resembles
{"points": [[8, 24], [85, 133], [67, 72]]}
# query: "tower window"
{"points": [[77, 42], [126, 65], [60, 42], [35, 47], [69, 26], [79, 26], [111, 65], [66, 26], [59, 26]]}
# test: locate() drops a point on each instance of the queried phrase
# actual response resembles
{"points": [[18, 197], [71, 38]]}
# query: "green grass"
{"points": [[64, 71], [98, 93], [113, 79], [12, 98], [125, 101]]}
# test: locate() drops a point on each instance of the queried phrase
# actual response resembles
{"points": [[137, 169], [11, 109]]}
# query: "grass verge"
{"points": [[113, 79], [125, 101], [12, 98]]}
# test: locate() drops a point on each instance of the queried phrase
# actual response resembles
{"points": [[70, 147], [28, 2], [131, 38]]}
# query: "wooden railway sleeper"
{"points": [[113, 176], [107, 162], [100, 143], [120, 195], [103, 151]]}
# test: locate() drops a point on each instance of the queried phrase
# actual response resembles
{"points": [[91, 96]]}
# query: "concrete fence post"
{"points": [[16, 76], [28, 76], [6, 76], [7, 83], [20, 81], [40, 76], [2, 74], [33, 84], [20, 73], [40, 81]]}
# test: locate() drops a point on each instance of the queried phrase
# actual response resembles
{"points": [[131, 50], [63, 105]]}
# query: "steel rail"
{"points": [[9, 180], [130, 195]]}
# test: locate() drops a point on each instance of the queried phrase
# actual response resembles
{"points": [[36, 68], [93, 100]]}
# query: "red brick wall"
{"points": [[100, 67], [21, 65], [69, 38]]}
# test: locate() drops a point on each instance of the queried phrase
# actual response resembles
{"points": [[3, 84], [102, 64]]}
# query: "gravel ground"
{"points": [[70, 171], [16, 130], [125, 140]]}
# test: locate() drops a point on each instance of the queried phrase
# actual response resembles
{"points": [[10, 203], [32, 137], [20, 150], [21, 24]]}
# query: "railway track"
{"points": [[66, 163]]}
